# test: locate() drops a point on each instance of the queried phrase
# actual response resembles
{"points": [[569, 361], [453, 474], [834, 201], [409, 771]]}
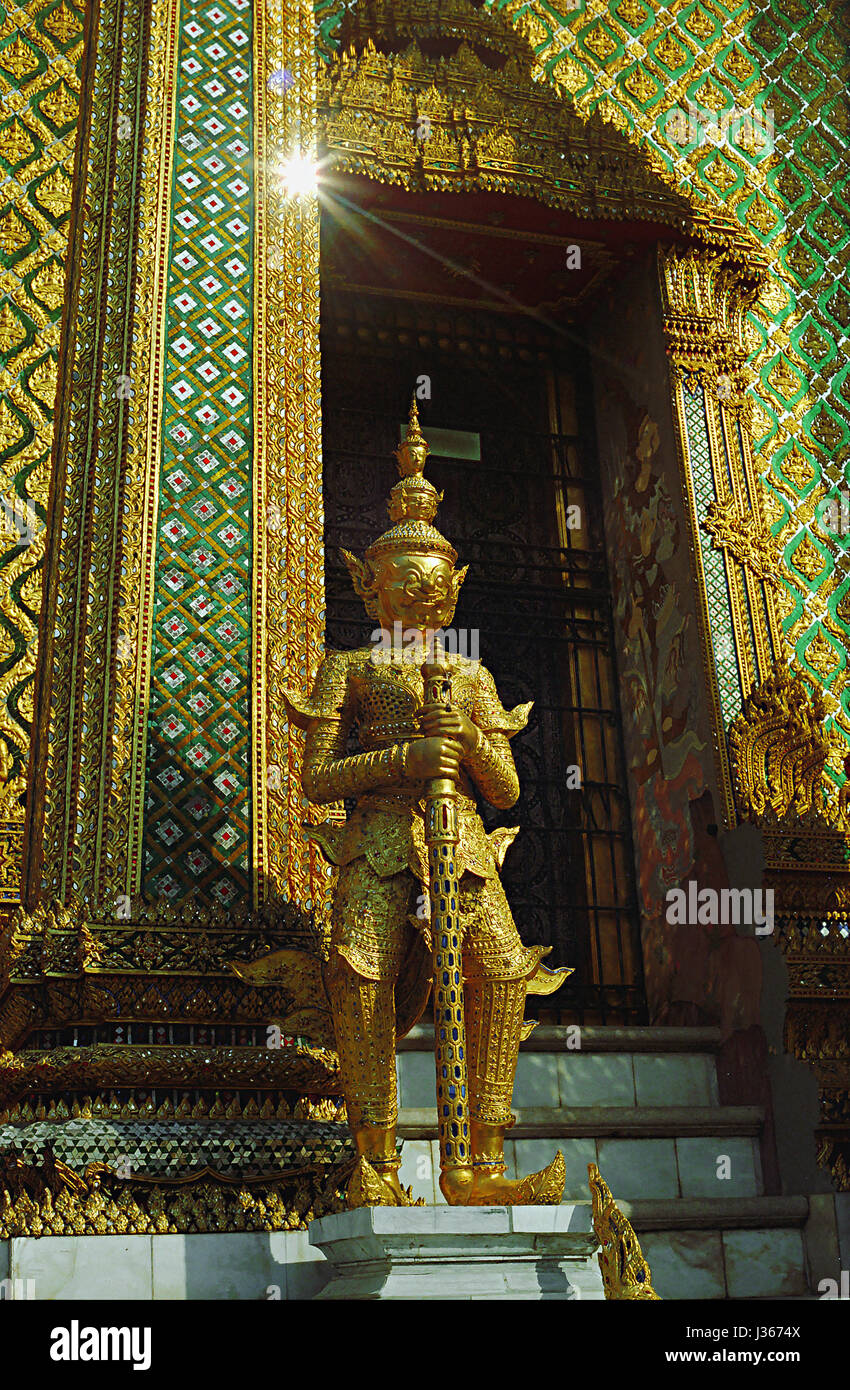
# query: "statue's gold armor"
{"points": [[379, 916]]}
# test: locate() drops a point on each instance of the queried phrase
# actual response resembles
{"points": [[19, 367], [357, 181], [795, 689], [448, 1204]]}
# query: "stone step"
{"points": [[716, 1213], [550, 1037], [560, 1076], [599, 1121], [726, 1259], [667, 1169]]}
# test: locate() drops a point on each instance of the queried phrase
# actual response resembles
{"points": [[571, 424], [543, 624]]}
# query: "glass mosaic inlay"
{"points": [[197, 809]]}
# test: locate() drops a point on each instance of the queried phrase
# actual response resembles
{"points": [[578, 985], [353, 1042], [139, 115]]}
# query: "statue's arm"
{"points": [[491, 762], [328, 772], [328, 775]]}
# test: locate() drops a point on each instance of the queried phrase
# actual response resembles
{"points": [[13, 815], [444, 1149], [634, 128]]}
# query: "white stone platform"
{"points": [[460, 1253]]}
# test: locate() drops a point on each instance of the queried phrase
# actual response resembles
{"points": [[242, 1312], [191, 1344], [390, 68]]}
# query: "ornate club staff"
{"points": [[441, 838]]}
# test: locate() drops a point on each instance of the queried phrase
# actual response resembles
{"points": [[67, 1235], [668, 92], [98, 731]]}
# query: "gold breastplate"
{"points": [[389, 694]]}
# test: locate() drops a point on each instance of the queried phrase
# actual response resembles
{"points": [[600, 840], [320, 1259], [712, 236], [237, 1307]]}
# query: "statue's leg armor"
{"points": [[367, 941], [496, 966], [364, 1024], [496, 970], [494, 1016]]}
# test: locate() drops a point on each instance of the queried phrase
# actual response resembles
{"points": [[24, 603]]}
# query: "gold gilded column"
{"points": [[288, 580]]}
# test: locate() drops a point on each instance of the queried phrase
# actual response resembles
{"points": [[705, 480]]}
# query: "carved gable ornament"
{"points": [[780, 750], [443, 95]]}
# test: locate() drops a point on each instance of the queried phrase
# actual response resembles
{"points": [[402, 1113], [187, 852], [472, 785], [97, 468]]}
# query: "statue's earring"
{"points": [[457, 579], [363, 580]]}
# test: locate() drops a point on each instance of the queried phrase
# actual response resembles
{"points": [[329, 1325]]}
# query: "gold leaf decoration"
{"points": [[826, 430], [49, 284], [18, 58], [808, 560], [63, 24], [12, 332], [670, 52], [55, 193], [15, 142], [760, 215], [821, 655], [783, 380], [630, 12], [739, 65], [11, 429], [720, 173], [699, 24], [744, 537], [797, 469], [711, 96], [612, 113], [599, 41], [640, 86], [42, 383], [779, 750], [572, 76], [61, 106], [14, 234]]}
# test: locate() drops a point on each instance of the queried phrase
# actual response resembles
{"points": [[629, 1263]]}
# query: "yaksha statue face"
{"points": [[416, 591], [408, 575]]}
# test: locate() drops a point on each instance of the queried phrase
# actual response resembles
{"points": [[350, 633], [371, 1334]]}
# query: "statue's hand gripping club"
{"points": [[441, 839]]}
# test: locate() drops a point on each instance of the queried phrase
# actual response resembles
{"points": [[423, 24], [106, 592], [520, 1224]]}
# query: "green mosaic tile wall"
{"points": [[197, 821], [651, 67]]}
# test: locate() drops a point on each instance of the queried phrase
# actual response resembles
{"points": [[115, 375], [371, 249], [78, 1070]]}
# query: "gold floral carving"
{"points": [[33, 214], [822, 656], [808, 559], [122, 860], [705, 295], [779, 753], [61, 1203], [114, 1066], [397, 21], [179, 1104], [746, 538], [631, 12]]}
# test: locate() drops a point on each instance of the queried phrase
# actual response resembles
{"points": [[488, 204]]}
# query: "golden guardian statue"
{"points": [[418, 900]]}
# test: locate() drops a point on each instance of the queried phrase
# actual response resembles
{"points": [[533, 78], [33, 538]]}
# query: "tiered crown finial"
{"points": [[413, 451], [413, 502]]}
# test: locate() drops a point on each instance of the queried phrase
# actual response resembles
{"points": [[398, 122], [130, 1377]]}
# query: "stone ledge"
{"points": [[598, 1122], [715, 1213], [548, 1037]]}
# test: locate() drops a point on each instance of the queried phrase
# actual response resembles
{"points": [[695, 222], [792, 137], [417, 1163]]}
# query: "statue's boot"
{"points": [[456, 1185], [485, 1184], [490, 1187], [375, 1181]]}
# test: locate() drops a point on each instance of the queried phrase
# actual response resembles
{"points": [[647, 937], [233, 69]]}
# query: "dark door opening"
{"points": [[537, 593]]}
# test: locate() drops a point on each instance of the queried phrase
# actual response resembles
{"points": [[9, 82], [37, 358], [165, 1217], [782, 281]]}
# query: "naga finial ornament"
{"points": [[419, 901]]}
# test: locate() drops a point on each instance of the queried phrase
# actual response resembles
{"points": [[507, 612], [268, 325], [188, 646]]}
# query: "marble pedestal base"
{"points": [[460, 1253]]}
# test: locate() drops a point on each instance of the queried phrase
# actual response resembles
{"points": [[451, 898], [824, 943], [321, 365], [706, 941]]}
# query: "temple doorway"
{"points": [[506, 401]]}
